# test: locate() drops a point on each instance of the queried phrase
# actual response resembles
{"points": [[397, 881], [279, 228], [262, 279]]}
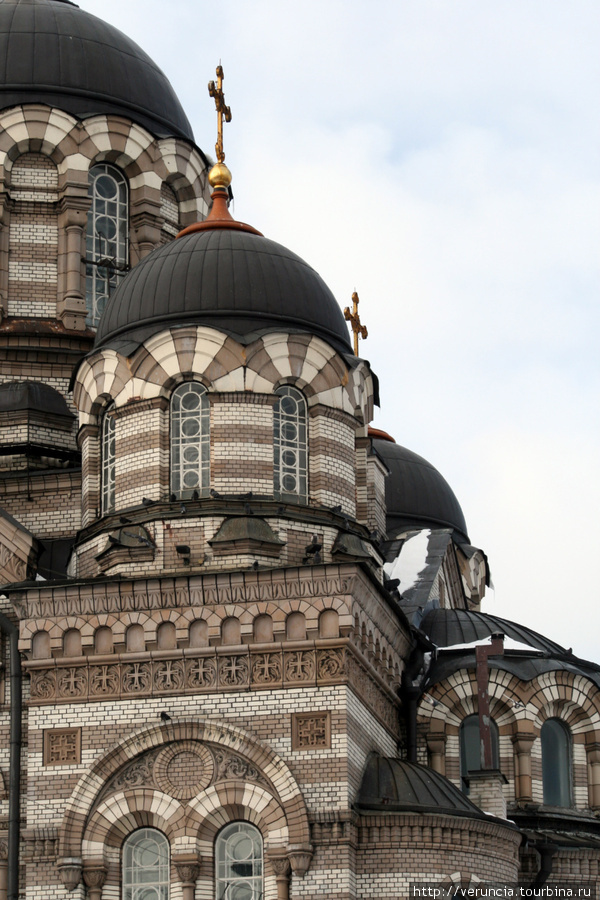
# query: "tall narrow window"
{"points": [[107, 237], [290, 445], [470, 749], [146, 866], [239, 863], [108, 462], [556, 763], [190, 440]]}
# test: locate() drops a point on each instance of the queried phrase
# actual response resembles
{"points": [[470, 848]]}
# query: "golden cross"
{"points": [[354, 319], [223, 112]]}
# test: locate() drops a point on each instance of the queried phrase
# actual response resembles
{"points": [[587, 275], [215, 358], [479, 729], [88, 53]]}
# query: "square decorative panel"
{"points": [[62, 746], [311, 730]]}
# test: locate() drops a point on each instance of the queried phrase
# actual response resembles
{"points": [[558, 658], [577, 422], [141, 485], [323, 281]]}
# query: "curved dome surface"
{"points": [[416, 495], [238, 282], [396, 785], [54, 53]]}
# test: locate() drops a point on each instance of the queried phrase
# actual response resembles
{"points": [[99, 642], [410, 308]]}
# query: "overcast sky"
{"points": [[441, 158]]}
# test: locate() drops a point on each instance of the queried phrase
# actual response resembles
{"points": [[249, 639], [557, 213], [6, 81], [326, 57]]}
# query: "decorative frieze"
{"points": [[209, 670], [208, 590]]}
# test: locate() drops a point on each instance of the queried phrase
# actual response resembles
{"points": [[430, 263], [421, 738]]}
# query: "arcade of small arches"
{"points": [[544, 736], [139, 632]]}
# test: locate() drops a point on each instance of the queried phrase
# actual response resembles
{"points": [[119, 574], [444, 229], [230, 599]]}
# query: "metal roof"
{"points": [[449, 627], [416, 495], [446, 627], [54, 53], [240, 283], [33, 395], [396, 785]]}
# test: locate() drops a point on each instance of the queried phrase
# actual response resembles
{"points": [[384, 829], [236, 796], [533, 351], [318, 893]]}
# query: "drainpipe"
{"points": [[14, 790], [410, 692], [545, 851]]}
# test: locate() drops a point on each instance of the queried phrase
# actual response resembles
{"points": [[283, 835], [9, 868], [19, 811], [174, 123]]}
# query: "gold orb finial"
{"points": [[219, 176]]}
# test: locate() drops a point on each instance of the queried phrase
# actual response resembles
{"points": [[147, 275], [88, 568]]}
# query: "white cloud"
{"points": [[440, 158]]}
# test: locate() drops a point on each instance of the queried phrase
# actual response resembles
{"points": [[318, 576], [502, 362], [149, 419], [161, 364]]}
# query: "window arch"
{"points": [[556, 763], [107, 238], [290, 446], [190, 440], [239, 863], [146, 865], [108, 461], [470, 749]]}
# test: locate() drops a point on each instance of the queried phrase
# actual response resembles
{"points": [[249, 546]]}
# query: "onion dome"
{"points": [[396, 785], [416, 495], [54, 53]]}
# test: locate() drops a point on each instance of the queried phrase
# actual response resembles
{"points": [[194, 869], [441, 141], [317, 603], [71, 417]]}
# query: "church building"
{"points": [[245, 654]]}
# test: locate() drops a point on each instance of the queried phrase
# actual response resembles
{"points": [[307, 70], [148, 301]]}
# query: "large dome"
{"points": [[54, 53], [416, 495], [236, 281]]}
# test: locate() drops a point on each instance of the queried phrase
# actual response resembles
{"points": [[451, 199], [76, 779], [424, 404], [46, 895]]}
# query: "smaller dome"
{"points": [[34, 396], [416, 495], [446, 627], [230, 279], [396, 785]]}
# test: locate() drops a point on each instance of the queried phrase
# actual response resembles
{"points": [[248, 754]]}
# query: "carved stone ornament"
{"points": [[331, 663], [3, 849], [280, 863], [94, 876], [187, 870], [139, 773], [184, 769], [300, 665], [266, 668], [230, 767], [69, 870], [300, 856]]}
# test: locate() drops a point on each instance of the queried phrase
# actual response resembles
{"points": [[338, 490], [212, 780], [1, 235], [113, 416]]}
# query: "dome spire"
{"points": [[219, 176]]}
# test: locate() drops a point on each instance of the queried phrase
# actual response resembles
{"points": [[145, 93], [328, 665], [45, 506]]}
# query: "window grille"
{"points": [[290, 476], [146, 866], [108, 462], [107, 239], [190, 440], [239, 863]]}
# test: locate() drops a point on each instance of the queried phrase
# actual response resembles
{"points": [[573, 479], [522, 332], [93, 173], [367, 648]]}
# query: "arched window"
{"points": [[107, 239], [146, 866], [108, 461], [470, 749], [290, 476], [556, 763], [190, 440], [239, 863]]}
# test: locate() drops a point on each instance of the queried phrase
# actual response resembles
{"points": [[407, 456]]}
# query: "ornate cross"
{"points": [[223, 112], [354, 319]]}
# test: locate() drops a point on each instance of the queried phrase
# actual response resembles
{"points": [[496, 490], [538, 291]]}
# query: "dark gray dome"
{"points": [[236, 281], [416, 495], [54, 53], [35, 396], [396, 785], [446, 627]]}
